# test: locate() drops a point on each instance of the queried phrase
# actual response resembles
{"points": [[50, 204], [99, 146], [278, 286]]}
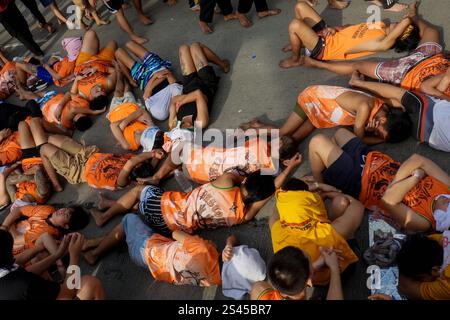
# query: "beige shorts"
{"points": [[127, 97], [70, 160]]}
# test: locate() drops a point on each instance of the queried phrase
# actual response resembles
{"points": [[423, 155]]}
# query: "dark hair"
{"points": [[83, 123], [409, 40], [78, 220], [142, 170], [159, 140], [34, 108], [34, 61], [259, 187], [288, 148], [98, 103], [295, 184], [418, 255], [288, 270], [398, 126], [6, 249]]}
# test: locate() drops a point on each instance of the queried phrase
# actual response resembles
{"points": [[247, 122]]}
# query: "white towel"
{"points": [[442, 217], [245, 268]]}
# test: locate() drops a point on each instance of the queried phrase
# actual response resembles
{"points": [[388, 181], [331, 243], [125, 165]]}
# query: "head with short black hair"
{"points": [[289, 271], [257, 187], [34, 108], [83, 123], [420, 257], [288, 149], [408, 40], [295, 184], [6, 249], [394, 125], [70, 219], [99, 102], [34, 61], [142, 170]]}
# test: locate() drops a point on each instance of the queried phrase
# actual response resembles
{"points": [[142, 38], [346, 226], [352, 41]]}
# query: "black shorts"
{"points": [[150, 210], [33, 152], [114, 5], [204, 79], [345, 173], [317, 52]]}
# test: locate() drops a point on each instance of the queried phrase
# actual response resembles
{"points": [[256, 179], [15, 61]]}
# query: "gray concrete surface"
{"points": [[255, 87]]}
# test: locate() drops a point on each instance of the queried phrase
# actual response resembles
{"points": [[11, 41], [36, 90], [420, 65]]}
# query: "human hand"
{"points": [[331, 259], [412, 10], [76, 244], [325, 256], [372, 125], [328, 31], [227, 253], [158, 154], [62, 248], [294, 161], [162, 74], [356, 79], [5, 133]]}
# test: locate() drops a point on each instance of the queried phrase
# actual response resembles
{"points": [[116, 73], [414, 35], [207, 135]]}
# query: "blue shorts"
{"points": [[44, 75], [345, 173], [143, 71], [137, 234]]}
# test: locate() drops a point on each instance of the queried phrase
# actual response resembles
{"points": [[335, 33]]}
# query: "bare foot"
{"points": [[145, 20], [268, 13], [125, 6], [290, 63], [91, 243], [243, 20], [356, 77], [58, 188], [226, 65], [287, 48], [398, 7], [339, 4], [90, 258], [308, 61], [138, 39], [254, 123], [102, 22], [103, 202], [229, 17], [206, 29], [98, 217], [149, 180]]}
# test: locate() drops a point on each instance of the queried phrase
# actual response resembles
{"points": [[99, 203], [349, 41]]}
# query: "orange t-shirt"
{"points": [[29, 187], [320, 106], [425, 69], [270, 294], [64, 68], [206, 164], [193, 262], [49, 107], [122, 111], [204, 207], [75, 102], [7, 80], [10, 150], [379, 171], [343, 40], [36, 224], [102, 169]]}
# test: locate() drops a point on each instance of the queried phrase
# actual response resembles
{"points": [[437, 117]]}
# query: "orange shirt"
{"points": [[204, 207], [10, 150], [64, 68], [425, 69], [206, 164], [7, 80], [122, 111], [378, 173], [98, 78], [342, 41], [49, 107], [102, 169], [193, 262], [36, 224], [75, 102], [320, 106], [270, 294]]}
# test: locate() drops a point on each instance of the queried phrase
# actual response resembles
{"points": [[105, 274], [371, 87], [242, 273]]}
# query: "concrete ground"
{"points": [[255, 87]]}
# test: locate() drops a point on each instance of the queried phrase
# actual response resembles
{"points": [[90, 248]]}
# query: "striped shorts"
{"points": [[150, 209]]}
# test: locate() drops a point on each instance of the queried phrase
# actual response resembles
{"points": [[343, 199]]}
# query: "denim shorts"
{"points": [[137, 234]]}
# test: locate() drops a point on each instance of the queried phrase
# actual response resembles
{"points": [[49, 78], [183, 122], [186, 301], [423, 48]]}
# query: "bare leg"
{"points": [[308, 14], [39, 135], [300, 34], [95, 15], [167, 167], [351, 213], [137, 49], [125, 26], [292, 124], [323, 151], [126, 62], [201, 55], [141, 15], [90, 43], [47, 151], [186, 62], [120, 88], [305, 130], [112, 240], [122, 205], [58, 14], [104, 203], [26, 140]]}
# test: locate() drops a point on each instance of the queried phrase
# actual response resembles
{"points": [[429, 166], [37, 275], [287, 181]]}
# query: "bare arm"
{"points": [[55, 75], [124, 175], [384, 90], [437, 85], [202, 106], [130, 118], [15, 214], [61, 104], [118, 135], [180, 236], [362, 115]]}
